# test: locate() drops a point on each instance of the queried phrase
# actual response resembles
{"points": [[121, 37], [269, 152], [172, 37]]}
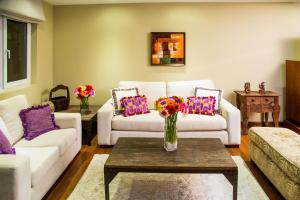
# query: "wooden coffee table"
{"points": [[147, 155]]}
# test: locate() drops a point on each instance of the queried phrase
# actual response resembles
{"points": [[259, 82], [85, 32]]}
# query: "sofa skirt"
{"points": [[222, 134]]}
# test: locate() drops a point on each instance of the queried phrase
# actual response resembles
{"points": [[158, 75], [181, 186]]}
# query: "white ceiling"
{"points": [[76, 2]]}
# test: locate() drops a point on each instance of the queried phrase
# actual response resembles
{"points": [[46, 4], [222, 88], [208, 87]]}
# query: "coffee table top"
{"points": [[199, 154]]}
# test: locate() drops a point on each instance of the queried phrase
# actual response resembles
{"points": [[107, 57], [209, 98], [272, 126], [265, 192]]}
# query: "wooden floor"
{"points": [[68, 180]]}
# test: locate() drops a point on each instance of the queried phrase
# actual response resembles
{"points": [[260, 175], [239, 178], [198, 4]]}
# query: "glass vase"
{"points": [[84, 106], [170, 135]]}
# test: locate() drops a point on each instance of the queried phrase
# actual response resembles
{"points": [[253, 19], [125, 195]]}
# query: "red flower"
{"points": [[89, 87], [171, 109]]}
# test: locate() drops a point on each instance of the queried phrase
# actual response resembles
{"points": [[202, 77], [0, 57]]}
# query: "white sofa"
{"points": [[225, 126], [39, 162]]}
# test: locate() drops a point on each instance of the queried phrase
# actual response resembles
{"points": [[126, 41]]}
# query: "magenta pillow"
{"points": [[134, 105], [201, 105], [5, 147], [37, 120]]}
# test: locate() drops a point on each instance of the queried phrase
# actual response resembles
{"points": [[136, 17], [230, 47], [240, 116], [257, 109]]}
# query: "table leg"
{"points": [[275, 115], [245, 110], [264, 118], [232, 177], [276, 118], [109, 175], [87, 127]]}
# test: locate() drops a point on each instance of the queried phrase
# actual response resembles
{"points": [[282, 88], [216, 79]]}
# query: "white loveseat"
{"points": [[39, 162], [225, 126]]}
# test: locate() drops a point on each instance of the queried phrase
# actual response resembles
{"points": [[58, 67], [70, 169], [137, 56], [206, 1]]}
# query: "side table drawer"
{"points": [[255, 104], [253, 100], [267, 104]]}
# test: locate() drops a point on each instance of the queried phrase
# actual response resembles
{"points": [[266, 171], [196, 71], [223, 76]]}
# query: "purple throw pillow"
{"points": [[37, 120], [201, 105], [136, 105], [5, 147]]}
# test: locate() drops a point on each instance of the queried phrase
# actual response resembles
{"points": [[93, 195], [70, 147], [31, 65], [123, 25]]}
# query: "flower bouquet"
{"points": [[168, 108], [83, 92]]}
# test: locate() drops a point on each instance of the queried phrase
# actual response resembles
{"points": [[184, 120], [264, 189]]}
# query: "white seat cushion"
{"points": [[153, 122], [62, 138], [41, 160], [186, 88], [145, 122], [9, 112], [195, 122], [152, 90]]}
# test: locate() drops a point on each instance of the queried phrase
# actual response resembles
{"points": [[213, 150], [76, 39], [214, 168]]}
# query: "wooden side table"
{"points": [[260, 103], [87, 121]]}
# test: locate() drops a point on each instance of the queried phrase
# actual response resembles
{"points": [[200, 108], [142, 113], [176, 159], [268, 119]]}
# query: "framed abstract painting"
{"points": [[168, 48]]}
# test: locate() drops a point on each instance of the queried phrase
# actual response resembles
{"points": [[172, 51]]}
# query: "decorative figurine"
{"points": [[262, 87], [247, 87]]}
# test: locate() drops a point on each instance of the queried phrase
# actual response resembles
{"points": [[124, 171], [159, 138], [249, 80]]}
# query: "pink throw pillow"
{"points": [[5, 147], [201, 105], [135, 105]]}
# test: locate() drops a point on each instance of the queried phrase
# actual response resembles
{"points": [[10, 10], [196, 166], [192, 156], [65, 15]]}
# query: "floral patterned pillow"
{"points": [[118, 94], [135, 105], [201, 105]]}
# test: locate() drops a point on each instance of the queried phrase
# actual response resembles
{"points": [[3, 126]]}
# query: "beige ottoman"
{"points": [[276, 151]]}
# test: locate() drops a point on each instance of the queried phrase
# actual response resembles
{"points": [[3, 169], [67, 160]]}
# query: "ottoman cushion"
{"points": [[282, 146]]}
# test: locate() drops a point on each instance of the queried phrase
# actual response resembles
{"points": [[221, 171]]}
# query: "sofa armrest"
{"points": [[233, 119], [69, 120], [105, 115], [15, 177]]}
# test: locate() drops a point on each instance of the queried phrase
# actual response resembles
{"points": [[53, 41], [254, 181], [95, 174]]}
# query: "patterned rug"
{"points": [[165, 186]]}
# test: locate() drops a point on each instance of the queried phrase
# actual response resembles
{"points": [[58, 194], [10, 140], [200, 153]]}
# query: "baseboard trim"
{"points": [[269, 124], [232, 146], [227, 146], [260, 124], [106, 146], [292, 126]]}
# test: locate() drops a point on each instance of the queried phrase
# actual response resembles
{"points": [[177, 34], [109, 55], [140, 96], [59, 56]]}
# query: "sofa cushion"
{"points": [[196, 122], [9, 112], [41, 160], [152, 90], [153, 122], [186, 88], [145, 122], [61, 138], [282, 146]]}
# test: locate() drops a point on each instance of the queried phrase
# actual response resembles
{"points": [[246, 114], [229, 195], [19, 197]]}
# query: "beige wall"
{"points": [[228, 43], [42, 61]]}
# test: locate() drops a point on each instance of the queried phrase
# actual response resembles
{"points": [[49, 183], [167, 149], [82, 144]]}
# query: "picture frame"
{"points": [[167, 49]]}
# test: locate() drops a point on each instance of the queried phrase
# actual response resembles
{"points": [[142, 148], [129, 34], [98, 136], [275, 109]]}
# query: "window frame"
{"points": [[3, 71]]}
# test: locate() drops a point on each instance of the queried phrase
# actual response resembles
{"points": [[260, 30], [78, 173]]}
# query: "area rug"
{"points": [[140, 186]]}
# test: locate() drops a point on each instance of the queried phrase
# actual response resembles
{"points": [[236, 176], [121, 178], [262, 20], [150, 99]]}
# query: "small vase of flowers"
{"points": [[83, 92], [168, 108]]}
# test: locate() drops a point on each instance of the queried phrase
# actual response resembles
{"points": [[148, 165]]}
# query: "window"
{"points": [[16, 53]]}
